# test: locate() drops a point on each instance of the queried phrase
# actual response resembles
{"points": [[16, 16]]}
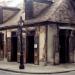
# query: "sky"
{"points": [[10, 3]]}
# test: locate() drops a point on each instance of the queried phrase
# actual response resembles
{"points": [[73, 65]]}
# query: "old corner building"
{"points": [[48, 33]]}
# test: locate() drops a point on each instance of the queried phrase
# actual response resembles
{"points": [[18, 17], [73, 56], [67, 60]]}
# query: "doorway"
{"points": [[64, 35], [13, 47], [1, 45], [30, 47]]}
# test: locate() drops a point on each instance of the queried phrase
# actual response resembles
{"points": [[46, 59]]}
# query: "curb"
{"points": [[36, 72]]}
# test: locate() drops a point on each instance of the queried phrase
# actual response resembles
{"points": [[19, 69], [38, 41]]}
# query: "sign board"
{"points": [[35, 46]]}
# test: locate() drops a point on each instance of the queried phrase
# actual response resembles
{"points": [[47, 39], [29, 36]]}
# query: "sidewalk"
{"points": [[36, 69]]}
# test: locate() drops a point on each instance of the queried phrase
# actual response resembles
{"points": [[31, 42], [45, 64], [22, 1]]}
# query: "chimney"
{"points": [[1, 15], [28, 9]]}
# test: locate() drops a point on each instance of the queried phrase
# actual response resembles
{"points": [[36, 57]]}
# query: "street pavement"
{"points": [[36, 69], [12, 73], [12, 68]]}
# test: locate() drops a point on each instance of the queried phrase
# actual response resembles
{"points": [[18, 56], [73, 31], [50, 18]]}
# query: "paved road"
{"points": [[11, 73]]}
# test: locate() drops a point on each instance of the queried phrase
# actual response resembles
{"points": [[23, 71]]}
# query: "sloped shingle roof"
{"points": [[9, 13], [38, 7], [60, 11]]}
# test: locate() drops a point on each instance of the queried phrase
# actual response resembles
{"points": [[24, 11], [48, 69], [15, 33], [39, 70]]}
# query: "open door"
{"points": [[30, 47], [64, 45], [13, 47]]}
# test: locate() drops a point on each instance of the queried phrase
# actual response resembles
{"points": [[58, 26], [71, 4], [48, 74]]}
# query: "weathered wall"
{"points": [[8, 44], [72, 47], [52, 31], [38, 8], [42, 43]]}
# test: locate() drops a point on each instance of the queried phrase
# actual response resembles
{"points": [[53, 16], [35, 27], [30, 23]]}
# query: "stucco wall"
{"points": [[51, 32], [41, 43]]}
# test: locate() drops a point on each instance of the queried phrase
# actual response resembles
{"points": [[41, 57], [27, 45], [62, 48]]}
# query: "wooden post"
{"points": [[46, 41], [6, 44], [56, 47], [71, 47], [9, 46], [36, 50]]}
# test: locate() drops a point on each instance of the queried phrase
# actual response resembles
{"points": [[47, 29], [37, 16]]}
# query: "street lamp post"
{"points": [[21, 22]]}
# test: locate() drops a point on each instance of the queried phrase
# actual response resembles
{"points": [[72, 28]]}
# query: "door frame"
{"points": [[36, 41]]}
